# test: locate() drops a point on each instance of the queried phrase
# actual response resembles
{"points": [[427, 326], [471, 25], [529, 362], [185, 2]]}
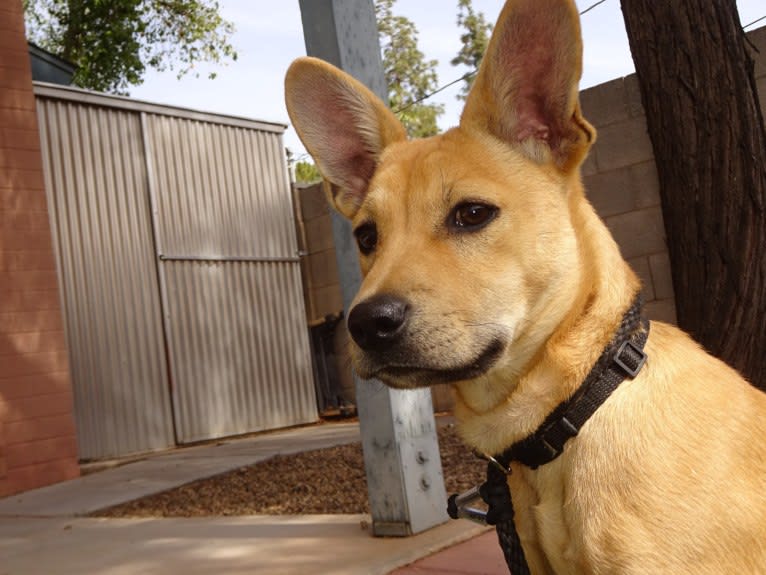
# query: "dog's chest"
{"points": [[554, 523]]}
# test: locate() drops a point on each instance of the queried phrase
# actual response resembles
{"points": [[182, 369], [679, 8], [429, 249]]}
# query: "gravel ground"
{"points": [[329, 480]]}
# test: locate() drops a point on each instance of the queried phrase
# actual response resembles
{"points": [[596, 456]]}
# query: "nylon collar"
{"points": [[623, 357]]}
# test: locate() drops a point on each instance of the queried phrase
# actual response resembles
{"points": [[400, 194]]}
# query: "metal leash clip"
{"points": [[493, 461], [458, 506]]}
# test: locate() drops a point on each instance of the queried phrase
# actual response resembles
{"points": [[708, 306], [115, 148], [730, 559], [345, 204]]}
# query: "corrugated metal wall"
{"points": [[239, 349], [174, 240], [98, 199]]}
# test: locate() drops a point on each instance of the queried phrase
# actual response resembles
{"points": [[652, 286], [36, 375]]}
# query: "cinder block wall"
{"points": [[37, 434], [319, 266], [621, 182], [321, 285], [621, 179]]}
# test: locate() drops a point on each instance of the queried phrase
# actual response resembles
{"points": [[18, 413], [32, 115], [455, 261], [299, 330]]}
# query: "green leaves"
{"points": [[409, 75], [114, 41], [411, 78], [475, 39], [306, 173]]}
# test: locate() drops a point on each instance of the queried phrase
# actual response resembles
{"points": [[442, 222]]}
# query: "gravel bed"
{"points": [[330, 480]]}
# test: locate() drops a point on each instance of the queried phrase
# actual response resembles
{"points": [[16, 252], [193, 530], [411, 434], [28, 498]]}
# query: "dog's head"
{"points": [[466, 243]]}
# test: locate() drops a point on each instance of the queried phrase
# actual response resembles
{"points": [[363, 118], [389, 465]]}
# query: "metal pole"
{"points": [[401, 452]]}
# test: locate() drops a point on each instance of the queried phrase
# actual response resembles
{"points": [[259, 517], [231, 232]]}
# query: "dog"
{"points": [[485, 266]]}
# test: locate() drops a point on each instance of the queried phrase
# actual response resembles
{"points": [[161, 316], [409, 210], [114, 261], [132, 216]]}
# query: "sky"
{"points": [[269, 36]]}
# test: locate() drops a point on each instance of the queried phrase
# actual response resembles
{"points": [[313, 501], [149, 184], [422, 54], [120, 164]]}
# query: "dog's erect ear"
{"points": [[526, 92], [343, 125]]}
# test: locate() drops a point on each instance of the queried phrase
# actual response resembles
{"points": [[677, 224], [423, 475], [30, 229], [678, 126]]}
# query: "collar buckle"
{"points": [[553, 451], [554, 437], [630, 358]]}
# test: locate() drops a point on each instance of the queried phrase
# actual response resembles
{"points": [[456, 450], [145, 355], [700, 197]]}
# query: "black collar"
{"points": [[623, 357]]}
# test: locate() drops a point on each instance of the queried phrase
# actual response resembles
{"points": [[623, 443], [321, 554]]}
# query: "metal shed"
{"points": [[179, 271]]}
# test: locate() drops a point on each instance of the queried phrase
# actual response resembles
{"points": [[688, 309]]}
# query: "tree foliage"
{"points": [[306, 173], [474, 41], [113, 42], [409, 75]]}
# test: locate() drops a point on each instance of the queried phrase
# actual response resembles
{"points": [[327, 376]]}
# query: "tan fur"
{"points": [[669, 475]]}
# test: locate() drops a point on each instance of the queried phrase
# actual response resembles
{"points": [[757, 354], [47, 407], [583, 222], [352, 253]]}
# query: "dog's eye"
{"points": [[471, 216], [366, 237]]}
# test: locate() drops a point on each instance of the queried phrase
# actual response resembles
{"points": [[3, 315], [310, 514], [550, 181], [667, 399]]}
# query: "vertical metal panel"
{"points": [[238, 341], [221, 190], [239, 359], [129, 181], [96, 185]]}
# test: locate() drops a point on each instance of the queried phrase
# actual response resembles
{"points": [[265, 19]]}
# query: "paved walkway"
{"points": [[480, 555], [42, 532]]}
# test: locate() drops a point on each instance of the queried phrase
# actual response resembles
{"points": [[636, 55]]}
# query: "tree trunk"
{"points": [[705, 123]]}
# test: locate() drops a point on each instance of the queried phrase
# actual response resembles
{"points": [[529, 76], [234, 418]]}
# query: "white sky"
{"points": [[269, 36]]}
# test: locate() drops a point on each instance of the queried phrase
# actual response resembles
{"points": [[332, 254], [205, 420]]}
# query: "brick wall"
{"points": [[37, 434]]}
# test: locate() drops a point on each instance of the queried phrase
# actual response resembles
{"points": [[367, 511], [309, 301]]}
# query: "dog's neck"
{"points": [[511, 402]]}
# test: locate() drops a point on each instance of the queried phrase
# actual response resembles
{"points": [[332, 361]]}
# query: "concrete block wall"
{"points": [[319, 267], [621, 179], [621, 182], [37, 433]]}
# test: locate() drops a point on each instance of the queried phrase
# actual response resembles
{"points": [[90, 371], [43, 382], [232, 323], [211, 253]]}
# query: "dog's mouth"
{"points": [[415, 375]]}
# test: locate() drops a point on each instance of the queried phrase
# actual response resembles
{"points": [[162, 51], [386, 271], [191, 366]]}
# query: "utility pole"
{"points": [[401, 451]]}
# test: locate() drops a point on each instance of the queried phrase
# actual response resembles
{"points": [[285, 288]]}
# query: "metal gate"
{"points": [[176, 253], [230, 279], [95, 180]]}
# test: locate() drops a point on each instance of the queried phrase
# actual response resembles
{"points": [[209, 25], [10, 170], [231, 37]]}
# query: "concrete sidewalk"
{"points": [[42, 532]]}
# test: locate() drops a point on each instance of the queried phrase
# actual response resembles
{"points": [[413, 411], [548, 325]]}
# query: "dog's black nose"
{"points": [[376, 323]]}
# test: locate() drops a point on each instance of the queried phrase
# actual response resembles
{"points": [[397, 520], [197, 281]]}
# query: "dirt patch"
{"points": [[329, 480]]}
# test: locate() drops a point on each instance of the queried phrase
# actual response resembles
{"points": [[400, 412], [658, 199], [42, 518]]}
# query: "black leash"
{"points": [[623, 357], [497, 495]]}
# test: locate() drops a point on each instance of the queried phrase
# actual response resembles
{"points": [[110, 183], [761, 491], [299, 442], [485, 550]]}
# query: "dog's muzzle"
{"points": [[377, 324], [399, 347]]}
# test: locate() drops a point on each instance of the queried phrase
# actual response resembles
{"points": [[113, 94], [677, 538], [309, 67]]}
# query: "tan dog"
{"points": [[486, 267]]}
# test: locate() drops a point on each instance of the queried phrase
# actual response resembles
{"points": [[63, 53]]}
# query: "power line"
{"points": [[410, 104], [746, 26], [591, 7], [473, 73], [300, 158]]}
